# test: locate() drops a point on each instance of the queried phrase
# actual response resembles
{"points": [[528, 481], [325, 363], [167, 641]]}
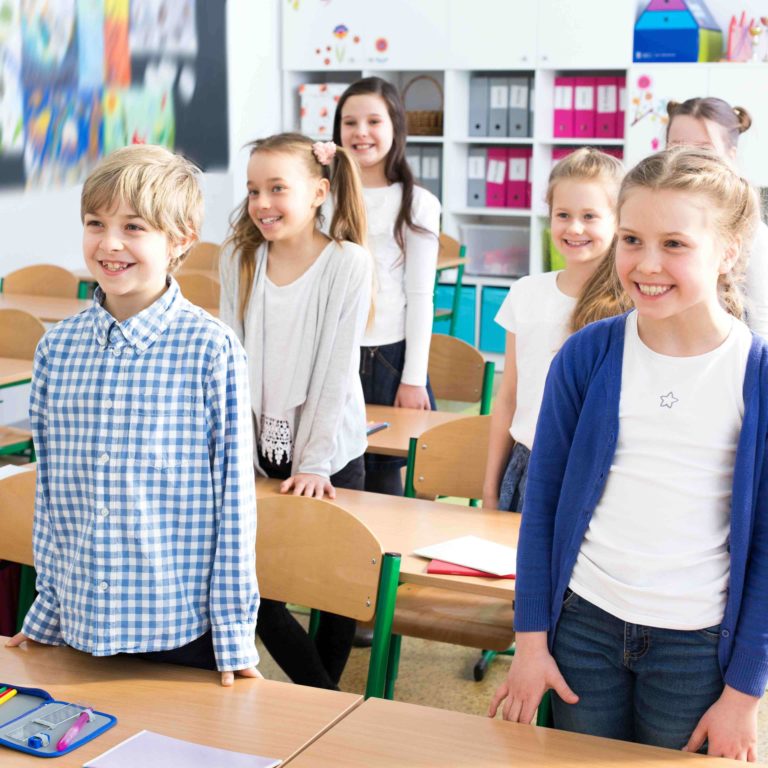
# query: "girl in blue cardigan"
{"points": [[642, 574]]}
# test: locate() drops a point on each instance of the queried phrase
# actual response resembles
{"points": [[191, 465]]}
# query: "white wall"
{"points": [[45, 225]]}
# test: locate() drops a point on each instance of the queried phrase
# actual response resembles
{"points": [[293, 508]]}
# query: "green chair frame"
{"points": [[451, 314]]}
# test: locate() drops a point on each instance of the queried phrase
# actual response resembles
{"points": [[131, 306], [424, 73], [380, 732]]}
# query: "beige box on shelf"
{"points": [[496, 249]]}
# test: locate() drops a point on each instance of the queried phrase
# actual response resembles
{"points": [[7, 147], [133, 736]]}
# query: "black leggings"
{"points": [[319, 663]]}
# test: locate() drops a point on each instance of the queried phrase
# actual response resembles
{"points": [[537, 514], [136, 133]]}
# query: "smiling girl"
{"points": [[642, 574]]}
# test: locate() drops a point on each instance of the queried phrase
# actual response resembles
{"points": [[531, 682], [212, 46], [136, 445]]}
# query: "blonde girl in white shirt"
{"points": [[403, 227]]}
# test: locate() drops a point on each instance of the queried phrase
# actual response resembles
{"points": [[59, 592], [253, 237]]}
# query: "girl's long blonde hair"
{"points": [[733, 207], [349, 218]]}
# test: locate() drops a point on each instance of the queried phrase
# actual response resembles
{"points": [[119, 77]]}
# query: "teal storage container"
{"points": [[492, 335], [465, 327]]}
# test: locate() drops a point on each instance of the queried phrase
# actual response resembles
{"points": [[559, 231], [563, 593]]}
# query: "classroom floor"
{"points": [[440, 675]]}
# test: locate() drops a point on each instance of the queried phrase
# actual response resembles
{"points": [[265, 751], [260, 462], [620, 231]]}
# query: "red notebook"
{"points": [[451, 569]]}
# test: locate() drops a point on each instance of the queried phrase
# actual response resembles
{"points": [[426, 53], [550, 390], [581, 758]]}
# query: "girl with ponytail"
{"points": [[298, 300]]}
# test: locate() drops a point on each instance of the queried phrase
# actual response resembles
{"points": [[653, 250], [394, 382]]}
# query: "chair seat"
{"points": [[475, 621], [11, 437]]}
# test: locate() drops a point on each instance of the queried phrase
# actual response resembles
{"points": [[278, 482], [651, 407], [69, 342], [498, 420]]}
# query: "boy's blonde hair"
{"points": [[732, 204], [160, 186], [587, 164], [349, 220]]}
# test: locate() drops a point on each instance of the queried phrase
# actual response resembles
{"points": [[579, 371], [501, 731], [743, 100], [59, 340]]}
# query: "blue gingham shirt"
{"points": [[145, 513]]}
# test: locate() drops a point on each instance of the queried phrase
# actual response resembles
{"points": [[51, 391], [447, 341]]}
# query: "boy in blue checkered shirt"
{"points": [[145, 511]]}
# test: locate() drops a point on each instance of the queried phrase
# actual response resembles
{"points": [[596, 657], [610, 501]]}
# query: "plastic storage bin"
{"points": [[492, 335], [496, 250], [465, 325]]}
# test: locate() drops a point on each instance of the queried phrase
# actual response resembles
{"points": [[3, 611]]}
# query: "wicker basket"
{"points": [[424, 122]]}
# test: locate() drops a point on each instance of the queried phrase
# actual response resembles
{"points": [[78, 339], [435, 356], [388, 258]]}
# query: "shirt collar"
{"points": [[141, 330]]}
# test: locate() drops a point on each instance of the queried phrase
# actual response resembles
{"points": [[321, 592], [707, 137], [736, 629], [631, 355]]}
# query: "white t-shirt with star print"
{"points": [[656, 549]]}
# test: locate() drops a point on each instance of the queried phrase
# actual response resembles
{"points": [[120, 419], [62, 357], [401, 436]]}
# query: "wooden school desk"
{"points": [[49, 309], [260, 717], [404, 423], [88, 284], [382, 734], [14, 372], [403, 524]]}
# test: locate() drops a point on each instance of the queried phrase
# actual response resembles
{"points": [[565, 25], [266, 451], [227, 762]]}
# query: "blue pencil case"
{"points": [[33, 722]]}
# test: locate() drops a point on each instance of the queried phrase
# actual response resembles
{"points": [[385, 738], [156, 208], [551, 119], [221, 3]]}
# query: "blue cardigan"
{"points": [[572, 454]]}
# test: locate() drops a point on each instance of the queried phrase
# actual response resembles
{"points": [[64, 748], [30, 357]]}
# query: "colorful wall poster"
{"points": [[11, 100], [116, 46], [138, 116], [49, 43], [163, 26]]}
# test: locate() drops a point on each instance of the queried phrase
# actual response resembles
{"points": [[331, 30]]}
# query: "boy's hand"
{"points": [[730, 727], [304, 484], [228, 678], [411, 396], [18, 639], [533, 671]]}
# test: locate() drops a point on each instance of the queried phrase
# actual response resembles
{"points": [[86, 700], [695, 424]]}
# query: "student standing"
{"points": [[642, 574], [299, 300], [145, 512], [538, 310], [403, 227]]}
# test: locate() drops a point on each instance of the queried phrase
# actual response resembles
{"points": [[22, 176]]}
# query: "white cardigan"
{"points": [[325, 387]]}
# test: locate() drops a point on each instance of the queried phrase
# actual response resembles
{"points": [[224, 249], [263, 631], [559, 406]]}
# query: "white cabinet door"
{"points": [[585, 34], [649, 88], [492, 34], [745, 85]]}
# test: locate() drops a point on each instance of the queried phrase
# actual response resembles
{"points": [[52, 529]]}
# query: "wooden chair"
{"points": [[315, 553], [202, 255], [200, 289], [19, 334], [452, 255], [458, 371], [17, 507], [449, 460], [42, 280]]}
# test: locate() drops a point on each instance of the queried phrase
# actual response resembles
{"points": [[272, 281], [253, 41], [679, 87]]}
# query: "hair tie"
{"points": [[324, 151]]}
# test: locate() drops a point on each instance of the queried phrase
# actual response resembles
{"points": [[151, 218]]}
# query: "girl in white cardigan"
{"points": [[298, 300]]}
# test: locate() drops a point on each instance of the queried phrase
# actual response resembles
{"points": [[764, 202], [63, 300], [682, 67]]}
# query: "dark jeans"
{"points": [[380, 371], [319, 663], [198, 653], [634, 682]]}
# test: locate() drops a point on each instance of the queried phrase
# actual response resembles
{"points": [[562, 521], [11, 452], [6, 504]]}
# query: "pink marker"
{"points": [[85, 717]]}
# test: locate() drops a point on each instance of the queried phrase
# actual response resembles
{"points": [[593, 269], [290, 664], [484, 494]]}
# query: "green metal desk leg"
{"points": [[410, 490], [382, 627]]}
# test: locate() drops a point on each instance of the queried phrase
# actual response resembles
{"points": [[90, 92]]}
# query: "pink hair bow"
{"points": [[324, 151]]}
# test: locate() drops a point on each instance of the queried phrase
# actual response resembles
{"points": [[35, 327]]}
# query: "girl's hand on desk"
{"points": [[304, 484], [228, 678], [533, 671], [730, 727], [410, 396], [18, 639]]}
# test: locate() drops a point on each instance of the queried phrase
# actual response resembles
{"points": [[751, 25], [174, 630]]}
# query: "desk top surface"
{"points": [[381, 734], [261, 717], [403, 524], [14, 371], [49, 309], [404, 423]]}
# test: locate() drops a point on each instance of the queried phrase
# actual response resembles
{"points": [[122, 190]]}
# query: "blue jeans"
{"points": [[634, 682], [512, 491], [380, 371]]}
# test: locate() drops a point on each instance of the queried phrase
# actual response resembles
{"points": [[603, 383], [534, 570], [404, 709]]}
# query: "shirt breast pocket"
{"points": [[162, 435]]}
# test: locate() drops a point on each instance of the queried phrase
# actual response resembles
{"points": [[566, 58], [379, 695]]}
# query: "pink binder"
{"points": [[606, 107], [529, 179], [517, 176], [584, 107], [621, 87], [495, 177], [564, 118], [558, 153]]}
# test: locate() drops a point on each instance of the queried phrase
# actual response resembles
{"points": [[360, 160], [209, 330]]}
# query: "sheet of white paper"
{"points": [[152, 750], [15, 469], [474, 552]]}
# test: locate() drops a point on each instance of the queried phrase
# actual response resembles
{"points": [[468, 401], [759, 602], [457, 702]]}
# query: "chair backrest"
{"points": [[450, 248], [19, 334], [42, 280], [450, 459], [200, 289], [315, 553], [202, 255], [17, 507], [456, 369]]}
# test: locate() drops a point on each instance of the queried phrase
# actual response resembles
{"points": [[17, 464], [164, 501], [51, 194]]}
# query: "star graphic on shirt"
{"points": [[668, 400]]}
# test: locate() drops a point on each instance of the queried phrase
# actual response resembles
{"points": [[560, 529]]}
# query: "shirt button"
{"points": [[116, 351], [103, 586], [103, 459], [107, 403], [104, 512], [725, 633]]}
